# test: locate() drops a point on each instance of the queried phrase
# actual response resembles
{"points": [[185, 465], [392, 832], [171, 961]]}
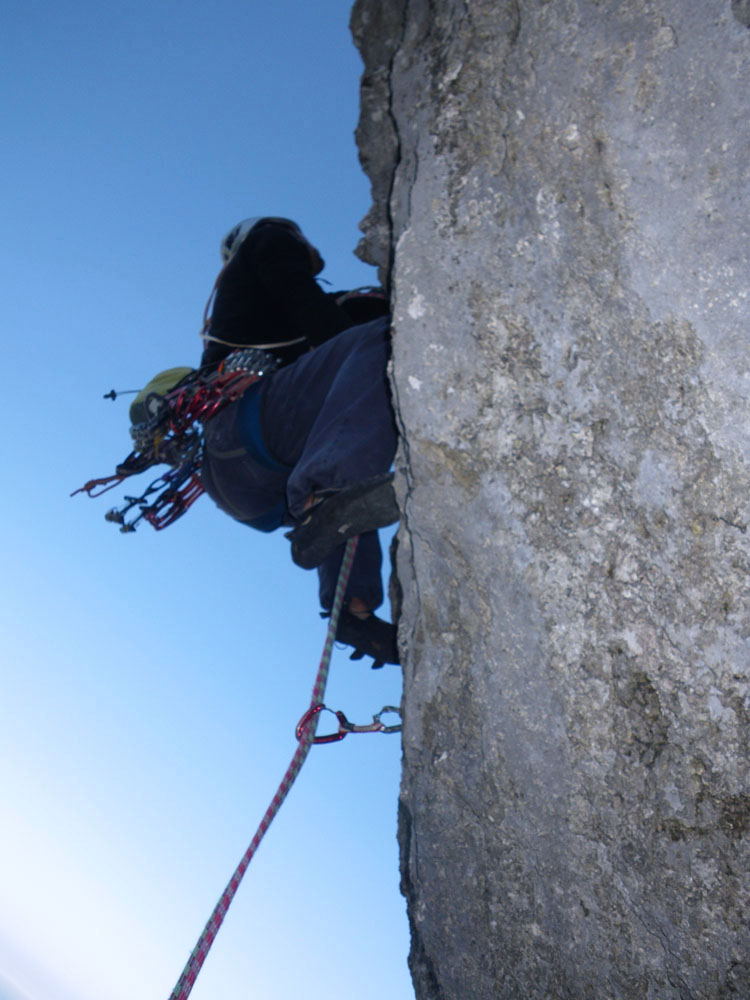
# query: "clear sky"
{"points": [[151, 682]]}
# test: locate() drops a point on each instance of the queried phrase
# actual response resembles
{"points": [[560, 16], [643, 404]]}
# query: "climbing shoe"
{"points": [[369, 636], [341, 514]]}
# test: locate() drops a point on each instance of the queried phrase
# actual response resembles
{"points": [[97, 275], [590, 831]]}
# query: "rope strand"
{"points": [[195, 962]]}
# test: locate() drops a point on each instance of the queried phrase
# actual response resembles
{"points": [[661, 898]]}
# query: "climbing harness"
{"points": [[171, 435], [306, 738]]}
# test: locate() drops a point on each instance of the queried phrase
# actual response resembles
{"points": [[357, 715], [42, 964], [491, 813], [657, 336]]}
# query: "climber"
{"points": [[309, 445]]}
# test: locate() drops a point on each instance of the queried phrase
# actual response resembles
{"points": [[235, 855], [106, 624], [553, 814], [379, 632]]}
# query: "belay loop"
{"points": [[172, 435]]}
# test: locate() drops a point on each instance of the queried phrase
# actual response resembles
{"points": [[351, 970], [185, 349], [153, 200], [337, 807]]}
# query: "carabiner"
{"points": [[383, 727], [312, 711]]}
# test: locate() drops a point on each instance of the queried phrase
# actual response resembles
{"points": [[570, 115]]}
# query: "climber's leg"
{"points": [[329, 414]]}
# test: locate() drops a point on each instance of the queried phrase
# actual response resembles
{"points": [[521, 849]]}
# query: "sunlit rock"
{"points": [[561, 196]]}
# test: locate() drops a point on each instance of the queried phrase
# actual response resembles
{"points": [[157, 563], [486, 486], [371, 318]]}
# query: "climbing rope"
{"points": [[305, 735]]}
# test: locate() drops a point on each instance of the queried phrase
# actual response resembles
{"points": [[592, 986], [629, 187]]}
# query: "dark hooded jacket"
{"points": [[268, 297]]}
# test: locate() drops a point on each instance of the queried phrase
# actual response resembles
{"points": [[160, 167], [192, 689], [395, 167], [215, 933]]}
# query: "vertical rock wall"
{"points": [[561, 198]]}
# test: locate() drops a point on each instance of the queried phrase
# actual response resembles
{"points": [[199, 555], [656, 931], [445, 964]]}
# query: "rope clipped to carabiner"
{"points": [[306, 736], [345, 727]]}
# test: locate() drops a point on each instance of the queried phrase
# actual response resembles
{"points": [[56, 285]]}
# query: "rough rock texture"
{"points": [[561, 200]]}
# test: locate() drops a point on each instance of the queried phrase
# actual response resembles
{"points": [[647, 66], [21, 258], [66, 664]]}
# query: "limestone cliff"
{"points": [[561, 194]]}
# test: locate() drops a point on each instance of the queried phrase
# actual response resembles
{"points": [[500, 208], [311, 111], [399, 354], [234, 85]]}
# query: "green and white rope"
{"points": [[195, 962]]}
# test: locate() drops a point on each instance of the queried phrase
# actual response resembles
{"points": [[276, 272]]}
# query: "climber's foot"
{"points": [[370, 636], [341, 514]]}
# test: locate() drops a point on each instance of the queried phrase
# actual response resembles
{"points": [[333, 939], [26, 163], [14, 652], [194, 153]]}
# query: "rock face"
{"points": [[561, 194]]}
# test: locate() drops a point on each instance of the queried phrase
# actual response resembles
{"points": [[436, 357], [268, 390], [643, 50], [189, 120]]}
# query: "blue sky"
{"points": [[151, 682]]}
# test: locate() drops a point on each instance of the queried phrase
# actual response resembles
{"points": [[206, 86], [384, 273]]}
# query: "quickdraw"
{"points": [[172, 436], [345, 727], [180, 488]]}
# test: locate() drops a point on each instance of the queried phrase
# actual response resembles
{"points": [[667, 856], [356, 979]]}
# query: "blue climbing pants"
{"points": [[324, 421]]}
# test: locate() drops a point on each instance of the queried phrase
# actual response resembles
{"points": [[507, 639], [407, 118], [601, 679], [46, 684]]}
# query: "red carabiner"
{"points": [[309, 715]]}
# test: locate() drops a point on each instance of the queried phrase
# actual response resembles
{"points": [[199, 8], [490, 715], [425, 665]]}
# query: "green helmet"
{"points": [[160, 385]]}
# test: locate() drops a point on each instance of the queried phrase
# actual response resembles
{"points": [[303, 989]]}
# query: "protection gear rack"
{"points": [[172, 435]]}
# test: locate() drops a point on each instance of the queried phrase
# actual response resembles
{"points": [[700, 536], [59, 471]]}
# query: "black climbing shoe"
{"points": [[341, 514], [369, 636]]}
